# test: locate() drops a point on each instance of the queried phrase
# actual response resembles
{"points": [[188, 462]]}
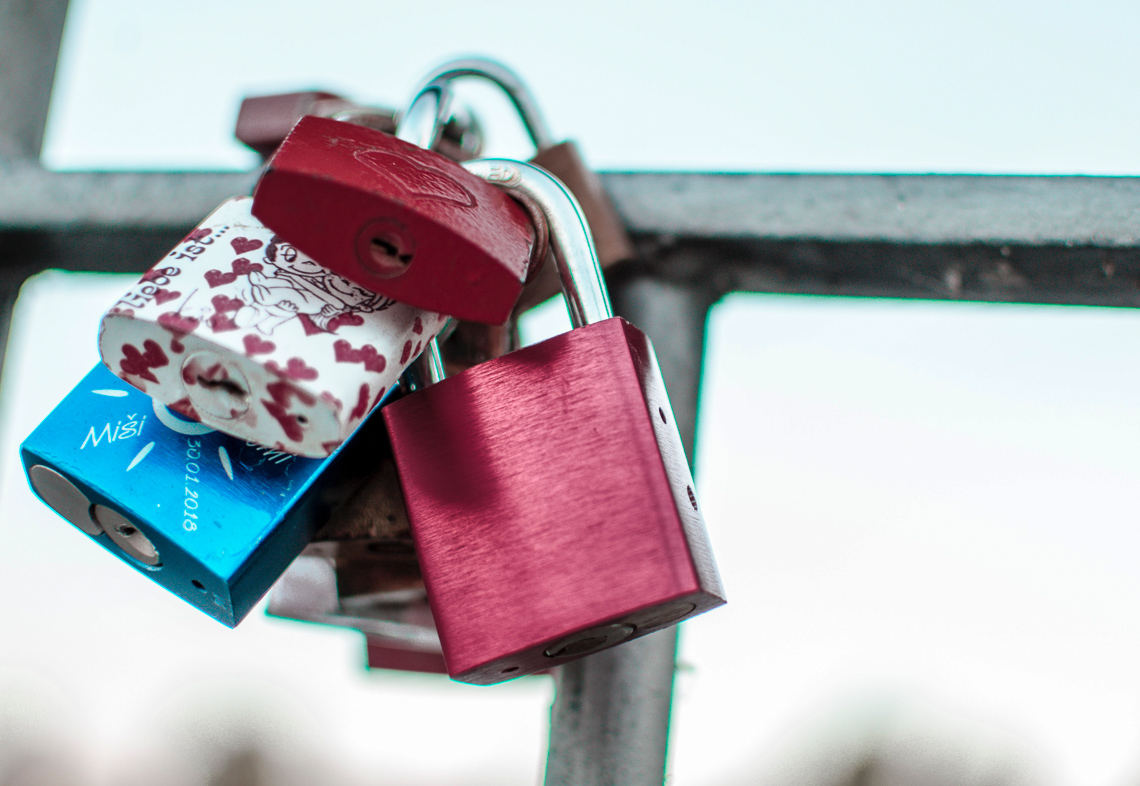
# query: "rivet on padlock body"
{"points": [[563, 160], [548, 492], [397, 219]]}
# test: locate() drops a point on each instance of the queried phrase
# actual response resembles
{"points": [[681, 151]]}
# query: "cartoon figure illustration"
{"points": [[289, 284]]}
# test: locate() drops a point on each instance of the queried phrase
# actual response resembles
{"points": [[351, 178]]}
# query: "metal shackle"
{"points": [[426, 115], [583, 286], [508, 81], [579, 272]]}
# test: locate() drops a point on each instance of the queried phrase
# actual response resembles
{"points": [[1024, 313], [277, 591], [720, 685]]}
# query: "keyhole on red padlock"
{"points": [[386, 248]]}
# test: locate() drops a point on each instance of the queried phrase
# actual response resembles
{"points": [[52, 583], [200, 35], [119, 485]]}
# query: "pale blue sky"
{"points": [[837, 85]]}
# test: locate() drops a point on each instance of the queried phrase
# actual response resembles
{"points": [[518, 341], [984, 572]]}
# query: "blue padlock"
{"points": [[214, 519]]}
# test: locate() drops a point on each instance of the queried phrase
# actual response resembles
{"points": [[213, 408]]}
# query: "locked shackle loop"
{"points": [[509, 82], [579, 272], [583, 286], [426, 115]]}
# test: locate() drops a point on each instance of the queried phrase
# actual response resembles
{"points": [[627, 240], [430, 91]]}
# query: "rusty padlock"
{"points": [[397, 218], [563, 160], [263, 122], [551, 504]]}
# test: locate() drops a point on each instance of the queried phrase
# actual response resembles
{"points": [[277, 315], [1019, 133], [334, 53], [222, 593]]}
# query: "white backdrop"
{"points": [[925, 514]]}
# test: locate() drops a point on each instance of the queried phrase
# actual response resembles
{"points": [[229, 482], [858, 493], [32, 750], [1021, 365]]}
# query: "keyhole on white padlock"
{"points": [[227, 386], [220, 389]]}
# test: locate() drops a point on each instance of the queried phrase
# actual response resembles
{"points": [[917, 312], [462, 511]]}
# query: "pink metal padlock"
{"points": [[549, 496], [239, 330], [397, 219]]}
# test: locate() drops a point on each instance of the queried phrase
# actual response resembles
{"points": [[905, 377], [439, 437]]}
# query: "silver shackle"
{"points": [[508, 81], [426, 115], [583, 286], [421, 125], [587, 299]]}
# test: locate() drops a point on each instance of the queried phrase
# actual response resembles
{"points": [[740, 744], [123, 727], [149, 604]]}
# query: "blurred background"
{"points": [[925, 513]]}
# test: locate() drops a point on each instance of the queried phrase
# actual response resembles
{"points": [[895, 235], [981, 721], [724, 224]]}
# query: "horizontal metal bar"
{"points": [[33, 198], [1101, 211], [899, 209]]}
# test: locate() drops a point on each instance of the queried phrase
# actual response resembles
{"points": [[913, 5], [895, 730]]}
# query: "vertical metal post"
{"points": [[30, 35], [610, 720]]}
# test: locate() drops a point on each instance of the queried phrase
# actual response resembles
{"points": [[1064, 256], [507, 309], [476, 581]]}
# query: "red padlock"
{"points": [[397, 219], [563, 160], [548, 492]]}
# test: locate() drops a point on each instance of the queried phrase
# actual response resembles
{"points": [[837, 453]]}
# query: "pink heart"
{"points": [[140, 363], [344, 319], [256, 346], [215, 278], [165, 296], [294, 369], [361, 408], [242, 245], [177, 323], [242, 266], [283, 392], [224, 303], [288, 422], [367, 354], [221, 323]]}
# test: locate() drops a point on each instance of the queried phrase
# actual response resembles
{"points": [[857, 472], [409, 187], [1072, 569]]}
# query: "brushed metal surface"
{"points": [[544, 492]]}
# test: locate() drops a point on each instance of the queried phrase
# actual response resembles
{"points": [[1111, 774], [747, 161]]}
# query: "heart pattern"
{"points": [[139, 364], [216, 278], [243, 245], [177, 323], [165, 296], [361, 408], [294, 369], [289, 330], [367, 354], [243, 266], [254, 345]]}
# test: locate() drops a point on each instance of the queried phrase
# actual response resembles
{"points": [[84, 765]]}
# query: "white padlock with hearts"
{"points": [[237, 329]]}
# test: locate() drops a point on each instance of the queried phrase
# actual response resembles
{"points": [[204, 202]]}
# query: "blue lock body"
{"points": [[214, 519]]}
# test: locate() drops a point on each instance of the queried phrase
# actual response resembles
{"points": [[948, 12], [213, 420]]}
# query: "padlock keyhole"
{"points": [[225, 385], [216, 385], [386, 248], [388, 257]]}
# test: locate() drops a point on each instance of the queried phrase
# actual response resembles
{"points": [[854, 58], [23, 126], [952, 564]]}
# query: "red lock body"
{"points": [[551, 504], [397, 219]]}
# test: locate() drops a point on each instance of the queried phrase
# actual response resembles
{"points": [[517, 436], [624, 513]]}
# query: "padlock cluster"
{"points": [[321, 386]]}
